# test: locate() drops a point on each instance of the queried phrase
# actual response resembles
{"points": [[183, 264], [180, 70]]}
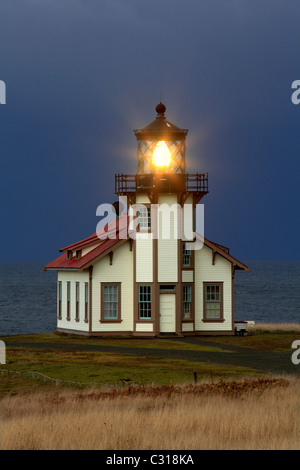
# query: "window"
{"points": [[213, 302], [68, 300], [59, 298], [168, 288], [187, 256], [69, 254], [77, 301], [187, 302], [144, 302], [144, 218], [111, 302], [78, 254], [86, 302]]}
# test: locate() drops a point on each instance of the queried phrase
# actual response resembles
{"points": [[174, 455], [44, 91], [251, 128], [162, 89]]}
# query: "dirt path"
{"points": [[273, 362]]}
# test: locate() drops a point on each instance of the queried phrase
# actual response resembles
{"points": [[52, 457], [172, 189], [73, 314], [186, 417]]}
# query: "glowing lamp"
{"points": [[160, 145], [161, 155]]}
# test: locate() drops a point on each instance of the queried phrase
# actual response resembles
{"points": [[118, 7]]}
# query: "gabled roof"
{"points": [[105, 232], [223, 251], [104, 247], [63, 262], [111, 244]]}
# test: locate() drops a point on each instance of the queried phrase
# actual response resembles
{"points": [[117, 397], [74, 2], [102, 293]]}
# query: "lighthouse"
{"points": [[157, 276]]}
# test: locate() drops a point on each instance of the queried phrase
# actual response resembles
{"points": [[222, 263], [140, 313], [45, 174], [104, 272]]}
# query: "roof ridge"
{"points": [[95, 236]]}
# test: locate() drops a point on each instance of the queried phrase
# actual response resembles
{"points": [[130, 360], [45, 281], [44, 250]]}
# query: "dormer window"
{"points": [[69, 254], [78, 254]]}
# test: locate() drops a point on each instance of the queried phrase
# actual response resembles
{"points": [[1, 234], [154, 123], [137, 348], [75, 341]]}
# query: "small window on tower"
{"points": [[144, 217], [187, 255], [78, 254]]}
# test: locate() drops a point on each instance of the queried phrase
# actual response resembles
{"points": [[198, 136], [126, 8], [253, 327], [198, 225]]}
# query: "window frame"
{"points": [[191, 319], [59, 300], [191, 265], [167, 288], [86, 302], [68, 300], [77, 301], [144, 319], [148, 208], [102, 318], [221, 302]]}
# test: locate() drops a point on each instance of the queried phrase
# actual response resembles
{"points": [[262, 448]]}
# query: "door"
{"points": [[167, 313]]}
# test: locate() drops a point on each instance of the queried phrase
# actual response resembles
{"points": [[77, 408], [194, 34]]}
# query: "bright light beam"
{"points": [[161, 155]]}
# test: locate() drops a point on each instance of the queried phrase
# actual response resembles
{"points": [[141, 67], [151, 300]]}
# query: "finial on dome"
{"points": [[161, 108]]}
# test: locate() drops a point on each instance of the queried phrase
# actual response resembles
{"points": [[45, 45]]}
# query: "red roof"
{"points": [[110, 244], [105, 246], [82, 263], [100, 235]]}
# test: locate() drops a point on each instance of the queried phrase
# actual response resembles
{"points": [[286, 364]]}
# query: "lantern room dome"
{"points": [[160, 128], [160, 108], [160, 145]]}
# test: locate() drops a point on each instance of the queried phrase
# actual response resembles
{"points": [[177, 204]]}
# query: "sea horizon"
{"points": [[268, 293]]}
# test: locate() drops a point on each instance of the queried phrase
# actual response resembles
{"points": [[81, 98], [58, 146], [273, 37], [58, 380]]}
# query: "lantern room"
{"points": [[161, 164], [161, 145]]}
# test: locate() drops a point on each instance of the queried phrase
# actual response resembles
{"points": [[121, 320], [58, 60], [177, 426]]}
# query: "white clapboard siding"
{"points": [[167, 243], [187, 327], [187, 219], [205, 271], [187, 276], [73, 277], [121, 271], [144, 257], [144, 327], [142, 199]]}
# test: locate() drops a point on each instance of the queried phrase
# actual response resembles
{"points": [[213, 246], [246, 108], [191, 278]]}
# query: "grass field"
{"points": [[156, 404], [272, 341], [246, 414], [108, 368]]}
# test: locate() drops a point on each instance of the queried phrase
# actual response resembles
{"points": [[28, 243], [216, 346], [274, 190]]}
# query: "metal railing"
{"points": [[172, 182]]}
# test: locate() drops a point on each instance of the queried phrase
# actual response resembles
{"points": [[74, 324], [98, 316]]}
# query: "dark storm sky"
{"points": [[82, 74]]}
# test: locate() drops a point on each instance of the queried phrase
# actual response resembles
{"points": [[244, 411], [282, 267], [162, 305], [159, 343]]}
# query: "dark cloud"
{"points": [[81, 75]]}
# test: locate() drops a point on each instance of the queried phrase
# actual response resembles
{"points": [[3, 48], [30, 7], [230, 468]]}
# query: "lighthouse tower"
{"points": [[149, 280], [163, 196]]}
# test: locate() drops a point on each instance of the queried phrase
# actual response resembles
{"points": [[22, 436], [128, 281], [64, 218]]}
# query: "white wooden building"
{"points": [[143, 282]]}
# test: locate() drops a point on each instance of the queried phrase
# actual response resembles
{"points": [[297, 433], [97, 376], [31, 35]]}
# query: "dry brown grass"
{"points": [[260, 415], [272, 327]]}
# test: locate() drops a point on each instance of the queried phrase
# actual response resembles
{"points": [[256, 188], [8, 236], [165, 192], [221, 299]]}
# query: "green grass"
{"points": [[113, 368], [128, 342], [278, 341], [99, 367]]}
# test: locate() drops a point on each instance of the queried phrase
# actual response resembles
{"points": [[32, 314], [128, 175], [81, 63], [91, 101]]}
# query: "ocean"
{"points": [[270, 293]]}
